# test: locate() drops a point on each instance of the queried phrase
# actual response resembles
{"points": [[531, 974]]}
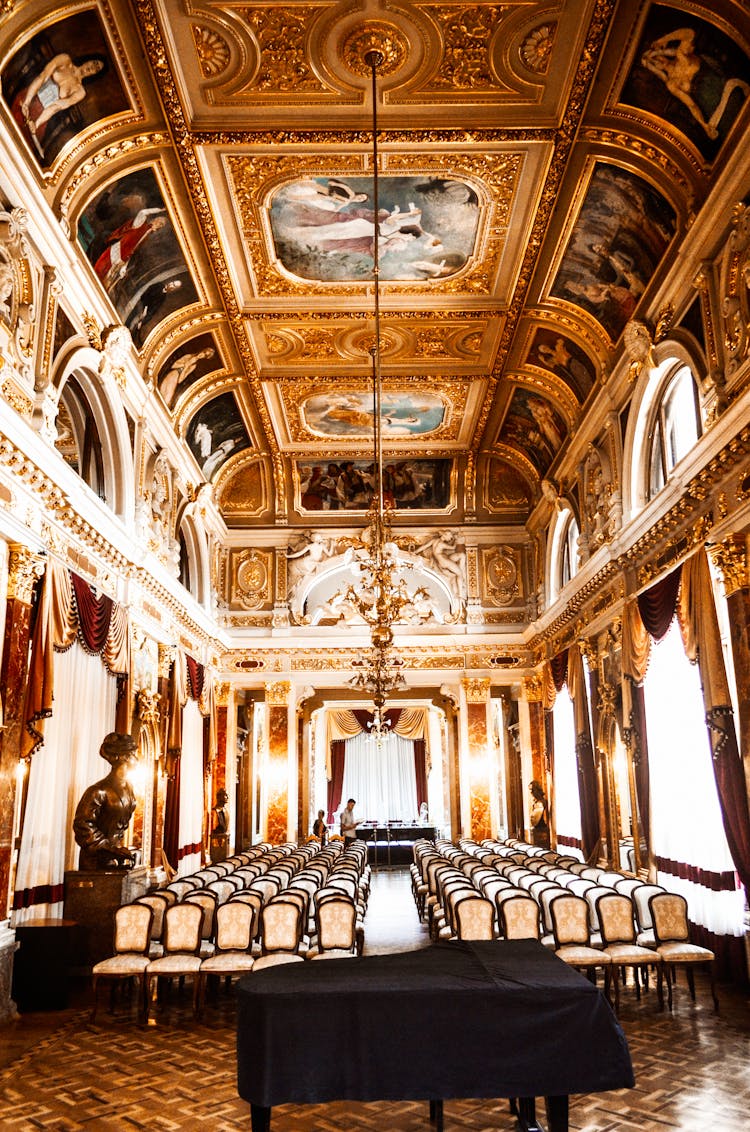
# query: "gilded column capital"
{"points": [[590, 653], [730, 558], [222, 693], [532, 689], [476, 690], [147, 704], [167, 654], [278, 693], [24, 567]]}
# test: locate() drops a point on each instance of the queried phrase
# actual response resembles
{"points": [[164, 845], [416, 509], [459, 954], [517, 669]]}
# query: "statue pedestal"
{"points": [[8, 947], [92, 898]]}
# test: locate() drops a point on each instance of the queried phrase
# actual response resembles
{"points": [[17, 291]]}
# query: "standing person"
{"points": [[348, 824], [320, 829]]}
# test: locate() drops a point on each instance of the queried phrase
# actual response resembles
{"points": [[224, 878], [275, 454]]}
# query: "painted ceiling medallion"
{"points": [[384, 38]]}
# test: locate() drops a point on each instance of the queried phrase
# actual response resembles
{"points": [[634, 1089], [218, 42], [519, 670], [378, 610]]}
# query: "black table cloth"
{"points": [[485, 1019]]}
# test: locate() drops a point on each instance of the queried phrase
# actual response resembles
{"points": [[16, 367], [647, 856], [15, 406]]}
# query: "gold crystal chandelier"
{"points": [[379, 595]]}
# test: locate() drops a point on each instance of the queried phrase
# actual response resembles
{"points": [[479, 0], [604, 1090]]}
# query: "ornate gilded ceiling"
{"points": [[539, 165]]}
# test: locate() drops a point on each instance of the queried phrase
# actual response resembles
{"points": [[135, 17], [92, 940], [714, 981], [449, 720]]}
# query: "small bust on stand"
{"points": [[220, 832], [538, 815], [105, 809]]}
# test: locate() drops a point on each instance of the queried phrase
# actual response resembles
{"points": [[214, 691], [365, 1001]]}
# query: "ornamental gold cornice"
{"points": [[563, 142], [476, 689], [458, 139], [702, 284], [650, 153], [730, 556], [25, 567], [147, 706], [16, 398], [128, 147], [467, 36], [405, 339], [278, 693]]}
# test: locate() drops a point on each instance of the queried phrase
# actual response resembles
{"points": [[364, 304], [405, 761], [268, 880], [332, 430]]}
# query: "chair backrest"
{"points": [[609, 878], [669, 915], [254, 899], [235, 924], [546, 896], [474, 917], [570, 920], [615, 914], [267, 885], [182, 887], [641, 898], [223, 889], [626, 886], [280, 926], [207, 901], [133, 928], [335, 921], [580, 886], [158, 904], [182, 928], [519, 917], [592, 895]]}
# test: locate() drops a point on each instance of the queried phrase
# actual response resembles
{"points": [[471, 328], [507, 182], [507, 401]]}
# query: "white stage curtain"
{"points": [[686, 824], [191, 790], [567, 797], [382, 779], [65, 765]]}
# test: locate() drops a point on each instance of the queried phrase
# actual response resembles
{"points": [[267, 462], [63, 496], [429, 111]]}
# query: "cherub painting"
{"points": [[62, 80], [130, 241], [691, 75], [324, 227], [534, 427], [560, 355], [187, 364]]}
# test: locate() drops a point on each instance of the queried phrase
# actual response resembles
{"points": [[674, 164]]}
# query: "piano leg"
{"points": [[260, 1118], [436, 1115]]}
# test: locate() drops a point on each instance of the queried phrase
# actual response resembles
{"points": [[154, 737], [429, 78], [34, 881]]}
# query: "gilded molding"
{"points": [[25, 566], [532, 689], [222, 693], [212, 51], [385, 38], [147, 706], [113, 152]]}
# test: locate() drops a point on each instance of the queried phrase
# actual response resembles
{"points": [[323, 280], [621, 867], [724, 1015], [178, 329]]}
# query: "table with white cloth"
{"points": [[474, 1019]]}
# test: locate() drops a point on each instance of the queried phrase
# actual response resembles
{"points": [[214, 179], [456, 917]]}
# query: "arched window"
{"points": [[563, 551], [675, 427], [569, 551], [184, 563], [78, 437]]}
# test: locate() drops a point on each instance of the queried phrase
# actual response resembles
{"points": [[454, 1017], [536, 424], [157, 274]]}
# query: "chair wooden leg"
{"points": [[690, 981], [94, 1007]]}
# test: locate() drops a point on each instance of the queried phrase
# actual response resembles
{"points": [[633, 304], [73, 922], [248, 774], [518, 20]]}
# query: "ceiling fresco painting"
{"points": [[348, 485], [129, 239], [61, 81], [217, 432], [506, 489], [560, 355], [323, 228], [622, 231], [690, 74], [185, 366], [535, 427], [350, 415]]}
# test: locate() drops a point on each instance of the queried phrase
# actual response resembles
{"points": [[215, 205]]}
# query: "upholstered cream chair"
{"points": [[669, 914], [235, 922], [207, 901], [132, 940], [571, 931], [336, 928], [641, 897], [281, 926], [224, 888], [159, 903], [474, 917], [518, 915], [618, 934], [182, 945]]}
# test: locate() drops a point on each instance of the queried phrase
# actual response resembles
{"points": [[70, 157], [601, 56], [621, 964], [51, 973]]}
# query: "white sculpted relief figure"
{"points": [[305, 559], [445, 554]]}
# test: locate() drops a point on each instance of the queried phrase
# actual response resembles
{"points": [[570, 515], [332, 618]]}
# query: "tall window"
{"points": [[563, 559], [567, 796], [675, 429]]}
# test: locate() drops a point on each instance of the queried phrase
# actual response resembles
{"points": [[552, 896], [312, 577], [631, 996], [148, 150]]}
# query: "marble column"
{"points": [[477, 754], [276, 768], [732, 558]]}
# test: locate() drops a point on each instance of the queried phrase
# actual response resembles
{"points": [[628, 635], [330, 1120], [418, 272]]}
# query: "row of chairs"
{"points": [[215, 931], [615, 925]]}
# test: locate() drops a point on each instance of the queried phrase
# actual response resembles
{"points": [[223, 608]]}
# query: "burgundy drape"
{"points": [[94, 614], [658, 603], [171, 839], [559, 667], [420, 770], [196, 675], [338, 750]]}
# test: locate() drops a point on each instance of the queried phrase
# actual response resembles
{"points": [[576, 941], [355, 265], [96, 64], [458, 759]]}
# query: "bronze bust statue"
{"points": [[105, 809]]}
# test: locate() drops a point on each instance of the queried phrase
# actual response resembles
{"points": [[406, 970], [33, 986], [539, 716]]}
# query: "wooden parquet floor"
{"points": [[61, 1073]]}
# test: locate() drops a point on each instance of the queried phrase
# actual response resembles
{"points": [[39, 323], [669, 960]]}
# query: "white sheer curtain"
{"points": [[567, 796], [381, 779], [66, 764], [686, 824], [191, 790]]}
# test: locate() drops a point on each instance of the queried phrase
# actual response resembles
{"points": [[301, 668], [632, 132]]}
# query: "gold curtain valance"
{"points": [[411, 724]]}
